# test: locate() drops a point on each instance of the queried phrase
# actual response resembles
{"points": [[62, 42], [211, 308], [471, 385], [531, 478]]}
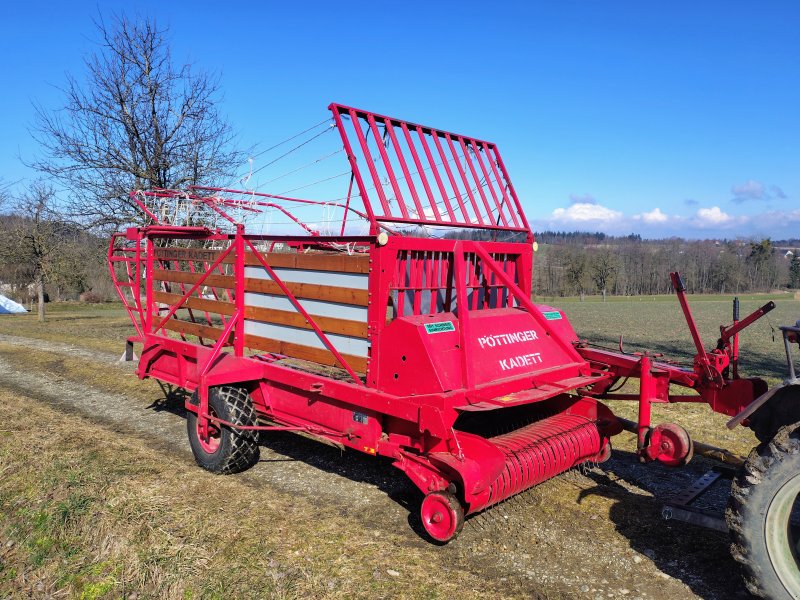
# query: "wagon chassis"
{"points": [[398, 343]]}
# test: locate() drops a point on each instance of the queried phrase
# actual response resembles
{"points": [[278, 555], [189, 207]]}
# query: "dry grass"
{"points": [[88, 514], [101, 327]]}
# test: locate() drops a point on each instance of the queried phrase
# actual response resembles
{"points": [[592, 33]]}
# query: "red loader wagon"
{"points": [[417, 340]]}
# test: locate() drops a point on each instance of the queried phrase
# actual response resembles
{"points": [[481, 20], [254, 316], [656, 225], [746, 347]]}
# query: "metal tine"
{"points": [[464, 214], [504, 192], [356, 123], [388, 166], [406, 173], [487, 178], [464, 180], [436, 176], [478, 183], [420, 171]]}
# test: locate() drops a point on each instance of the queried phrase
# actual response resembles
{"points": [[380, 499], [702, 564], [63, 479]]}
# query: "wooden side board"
{"points": [[268, 315], [203, 331], [315, 261], [308, 291], [317, 355]]}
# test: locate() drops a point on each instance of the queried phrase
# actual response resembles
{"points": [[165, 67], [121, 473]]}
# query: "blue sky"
{"points": [[658, 118]]}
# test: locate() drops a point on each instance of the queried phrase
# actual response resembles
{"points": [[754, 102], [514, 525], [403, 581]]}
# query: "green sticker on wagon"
{"points": [[440, 327], [552, 315]]}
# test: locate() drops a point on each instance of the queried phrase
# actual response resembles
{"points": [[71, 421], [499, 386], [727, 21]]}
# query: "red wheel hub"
{"points": [[442, 516], [670, 444], [211, 443]]}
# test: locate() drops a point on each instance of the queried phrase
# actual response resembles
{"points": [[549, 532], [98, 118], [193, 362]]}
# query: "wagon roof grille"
{"points": [[413, 174]]}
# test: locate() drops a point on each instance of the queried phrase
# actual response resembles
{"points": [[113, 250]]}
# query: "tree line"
{"points": [[582, 263]]}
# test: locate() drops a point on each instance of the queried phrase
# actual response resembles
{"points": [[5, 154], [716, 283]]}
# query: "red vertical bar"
{"points": [[389, 171], [401, 281], [448, 281], [420, 212], [429, 259], [436, 259], [354, 167], [436, 176], [459, 266], [474, 284], [500, 180], [416, 280], [489, 284], [487, 178], [464, 178], [238, 332], [464, 213], [347, 205], [371, 164], [421, 171], [148, 277], [477, 180]]}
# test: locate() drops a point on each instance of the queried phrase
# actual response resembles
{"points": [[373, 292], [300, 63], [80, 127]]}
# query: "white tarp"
{"points": [[8, 306]]}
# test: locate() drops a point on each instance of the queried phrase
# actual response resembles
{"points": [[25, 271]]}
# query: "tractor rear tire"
{"points": [[226, 450], [780, 410], [762, 500]]}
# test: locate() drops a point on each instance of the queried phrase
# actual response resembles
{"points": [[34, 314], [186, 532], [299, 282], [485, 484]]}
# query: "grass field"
{"points": [[94, 508], [653, 323]]}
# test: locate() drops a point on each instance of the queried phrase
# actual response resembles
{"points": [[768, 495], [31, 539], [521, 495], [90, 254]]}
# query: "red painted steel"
{"points": [[451, 332], [541, 451]]}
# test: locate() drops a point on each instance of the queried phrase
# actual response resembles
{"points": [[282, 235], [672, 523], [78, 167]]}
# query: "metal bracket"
{"points": [[678, 508], [129, 355]]}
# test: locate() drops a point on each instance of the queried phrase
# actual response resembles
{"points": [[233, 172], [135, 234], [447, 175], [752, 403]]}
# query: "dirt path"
{"points": [[596, 534]]}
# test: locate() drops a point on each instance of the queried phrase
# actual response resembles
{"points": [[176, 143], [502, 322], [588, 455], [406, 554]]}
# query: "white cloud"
{"points": [[653, 217], [701, 222], [586, 213], [712, 217]]}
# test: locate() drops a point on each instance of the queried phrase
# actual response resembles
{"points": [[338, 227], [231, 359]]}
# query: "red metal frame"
{"points": [[451, 329]]}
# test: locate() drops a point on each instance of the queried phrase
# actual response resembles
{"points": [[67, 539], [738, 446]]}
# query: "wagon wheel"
{"points": [[442, 516], [764, 517], [225, 450]]}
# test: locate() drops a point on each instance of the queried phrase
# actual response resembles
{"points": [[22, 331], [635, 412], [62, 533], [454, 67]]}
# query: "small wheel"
{"points": [[442, 516], [764, 517], [671, 445], [225, 450]]}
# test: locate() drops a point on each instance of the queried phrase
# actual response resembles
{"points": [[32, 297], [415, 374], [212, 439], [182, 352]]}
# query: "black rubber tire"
{"points": [[780, 410], [768, 482], [237, 450]]}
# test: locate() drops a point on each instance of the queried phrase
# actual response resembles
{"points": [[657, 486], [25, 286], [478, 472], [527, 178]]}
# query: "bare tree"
{"points": [[137, 121], [577, 272], [603, 270], [32, 238]]}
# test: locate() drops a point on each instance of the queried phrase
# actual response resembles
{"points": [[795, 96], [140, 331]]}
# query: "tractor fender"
{"points": [[788, 387]]}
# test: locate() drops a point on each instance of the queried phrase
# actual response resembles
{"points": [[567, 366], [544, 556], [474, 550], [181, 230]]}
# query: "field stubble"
{"points": [[97, 507]]}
